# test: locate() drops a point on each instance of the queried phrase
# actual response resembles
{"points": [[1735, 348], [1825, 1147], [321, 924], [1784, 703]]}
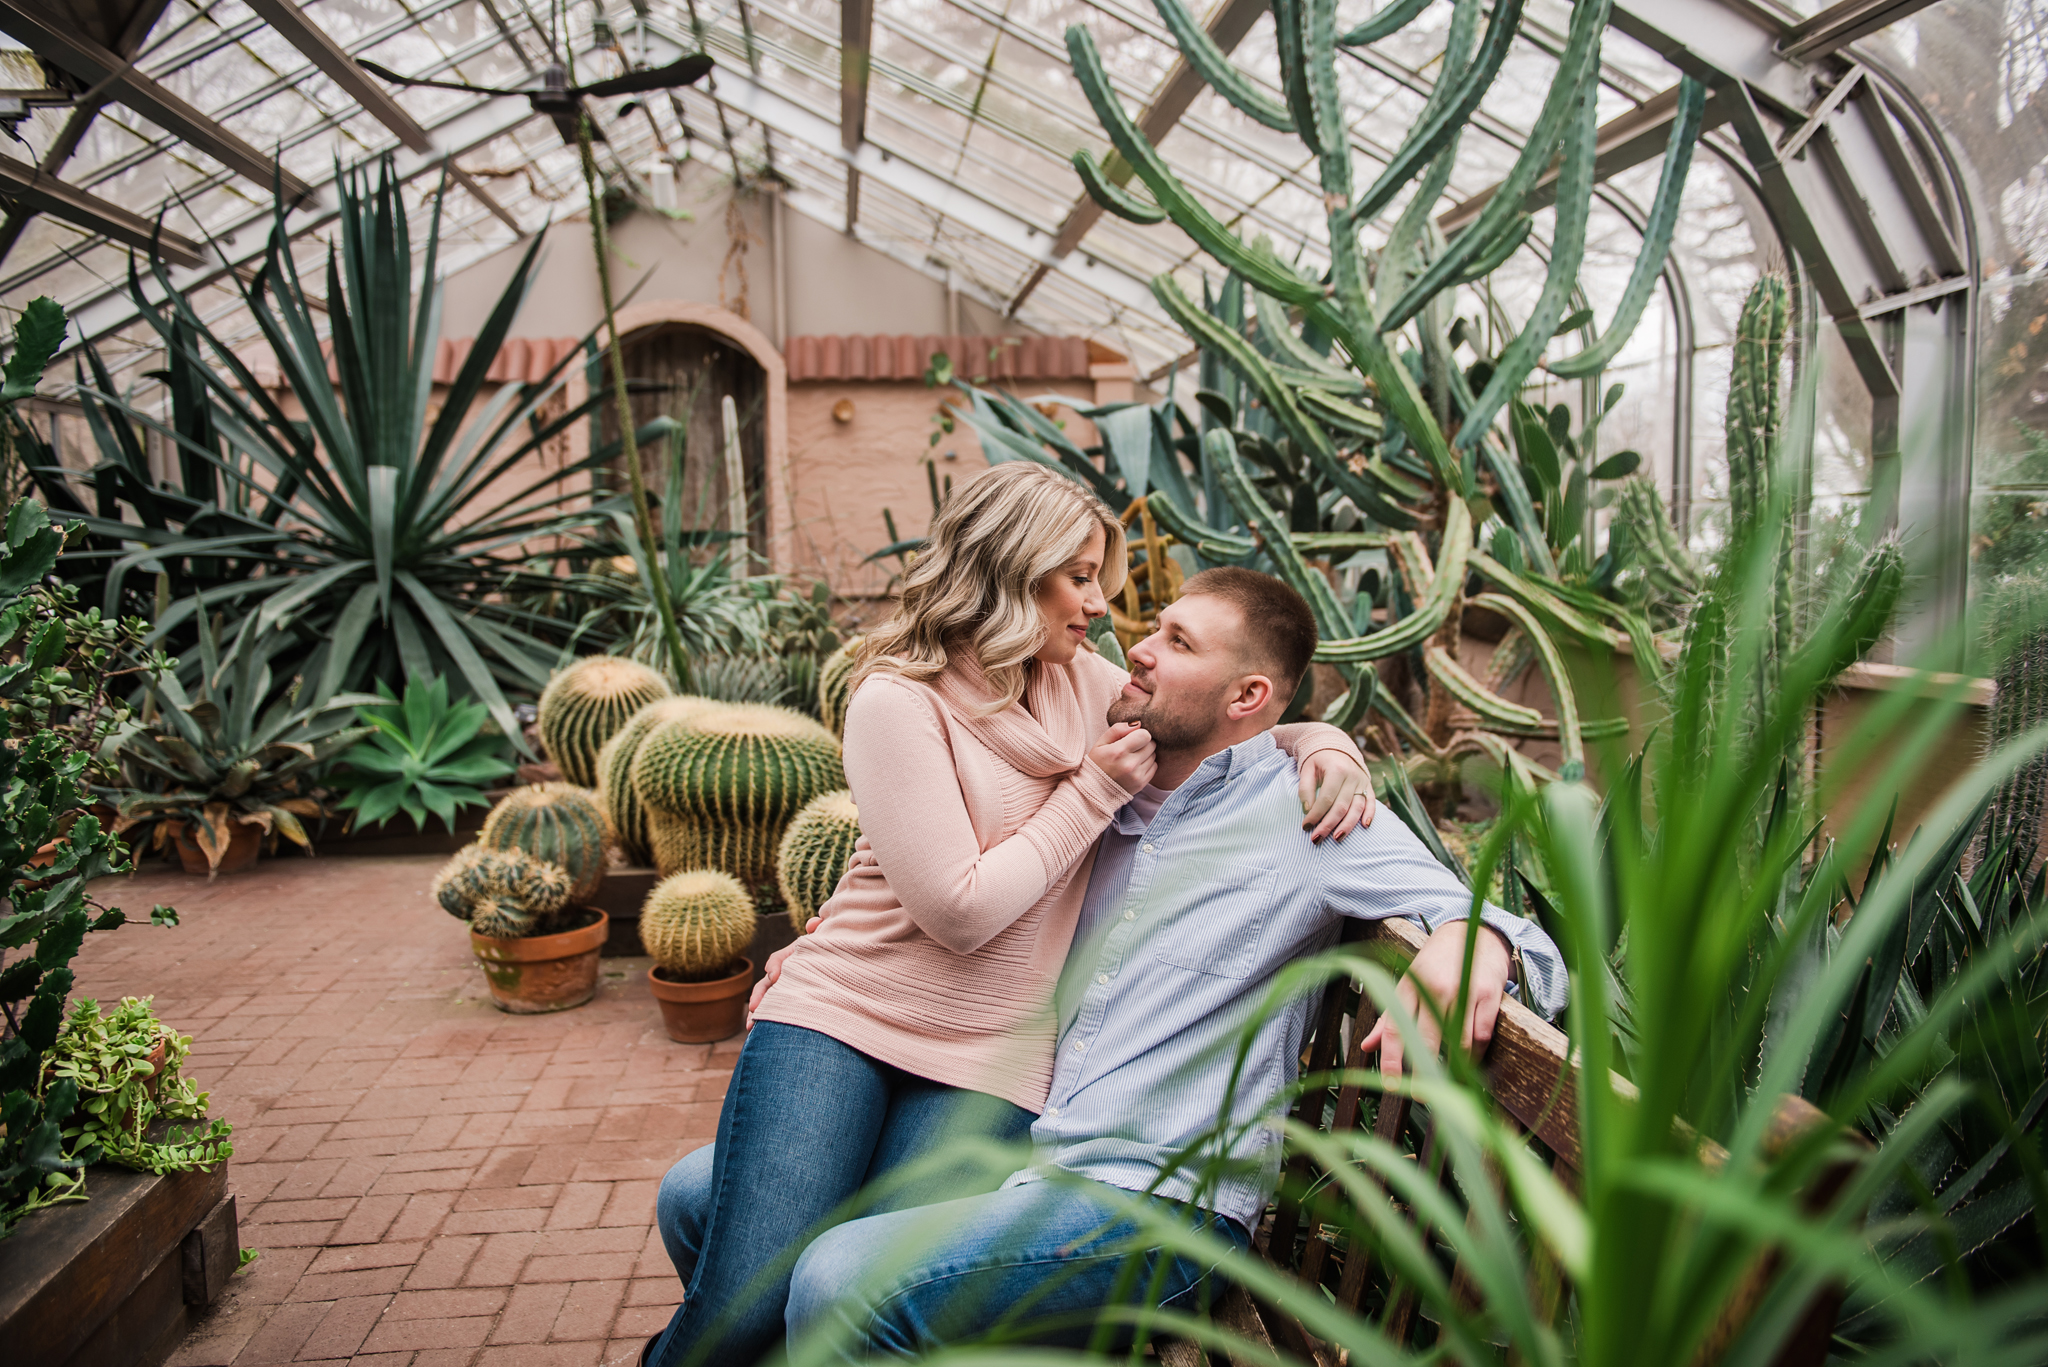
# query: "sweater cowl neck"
{"points": [[1045, 735]]}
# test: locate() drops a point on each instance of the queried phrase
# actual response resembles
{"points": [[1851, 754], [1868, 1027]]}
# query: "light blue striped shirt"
{"points": [[1186, 921]]}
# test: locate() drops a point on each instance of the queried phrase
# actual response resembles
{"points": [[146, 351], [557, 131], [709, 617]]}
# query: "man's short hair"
{"points": [[1279, 628]]}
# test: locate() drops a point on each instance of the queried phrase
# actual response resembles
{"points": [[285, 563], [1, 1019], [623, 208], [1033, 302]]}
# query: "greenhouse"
{"points": [[1220, 681]]}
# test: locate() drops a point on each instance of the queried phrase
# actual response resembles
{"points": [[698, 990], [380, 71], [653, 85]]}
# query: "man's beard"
{"points": [[1175, 725]]}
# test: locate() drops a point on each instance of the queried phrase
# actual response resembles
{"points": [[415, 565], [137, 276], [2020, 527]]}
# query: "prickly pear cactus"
{"points": [[696, 924], [835, 685], [721, 789], [585, 705], [558, 822], [504, 894], [615, 770], [814, 853]]}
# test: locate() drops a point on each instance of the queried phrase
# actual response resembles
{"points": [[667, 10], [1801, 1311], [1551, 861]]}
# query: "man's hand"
{"points": [[1336, 795], [1438, 967], [1127, 754]]}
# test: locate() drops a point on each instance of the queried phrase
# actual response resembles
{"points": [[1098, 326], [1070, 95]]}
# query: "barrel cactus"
{"points": [[585, 705], [558, 822], [814, 853], [696, 924], [835, 685], [615, 770], [504, 894], [721, 789]]}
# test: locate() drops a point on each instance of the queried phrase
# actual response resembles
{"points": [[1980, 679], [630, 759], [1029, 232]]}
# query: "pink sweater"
{"points": [[941, 956]]}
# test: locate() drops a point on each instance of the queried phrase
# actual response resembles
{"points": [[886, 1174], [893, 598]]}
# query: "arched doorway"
{"points": [[684, 361]]}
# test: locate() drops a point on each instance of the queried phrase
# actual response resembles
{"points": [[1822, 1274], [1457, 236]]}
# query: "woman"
{"points": [[919, 1011]]}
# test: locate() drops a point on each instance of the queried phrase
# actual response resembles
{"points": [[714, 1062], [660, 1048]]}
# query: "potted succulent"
{"points": [[537, 948], [219, 771], [696, 924]]}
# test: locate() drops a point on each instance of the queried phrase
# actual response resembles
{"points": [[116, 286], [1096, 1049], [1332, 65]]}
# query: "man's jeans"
{"points": [[807, 1122], [1036, 1262]]}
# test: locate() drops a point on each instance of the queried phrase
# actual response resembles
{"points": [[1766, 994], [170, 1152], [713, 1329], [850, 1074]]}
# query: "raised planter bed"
{"points": [[117, 1279]]}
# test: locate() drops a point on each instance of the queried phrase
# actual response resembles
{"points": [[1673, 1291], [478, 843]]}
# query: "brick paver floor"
{"points": [[432, 1183]]}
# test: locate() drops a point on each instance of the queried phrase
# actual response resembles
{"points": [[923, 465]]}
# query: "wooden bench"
{"points": [[1531, 1075]]}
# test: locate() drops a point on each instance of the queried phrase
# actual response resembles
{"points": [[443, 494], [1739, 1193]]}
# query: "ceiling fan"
{"points": [[561, 101]]}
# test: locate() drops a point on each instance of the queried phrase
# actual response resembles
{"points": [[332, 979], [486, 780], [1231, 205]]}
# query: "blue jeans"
{"points": [[807, 1122], [1036, 1262]]}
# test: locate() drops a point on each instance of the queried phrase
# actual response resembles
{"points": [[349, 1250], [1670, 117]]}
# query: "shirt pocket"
{"points": [[1215, 916]]}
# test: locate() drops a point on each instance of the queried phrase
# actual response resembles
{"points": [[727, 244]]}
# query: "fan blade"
{"points": [[687, 71], [386, 74]]}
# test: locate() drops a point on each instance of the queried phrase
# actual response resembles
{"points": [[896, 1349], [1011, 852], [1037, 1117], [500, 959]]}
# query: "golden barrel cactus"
{"points": [[814, 853], [558, 822], [696, 924], [615, 770], [585, 705]]}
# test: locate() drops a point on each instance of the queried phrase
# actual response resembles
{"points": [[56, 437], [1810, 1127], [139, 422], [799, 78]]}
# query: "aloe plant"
{"points": [[374, 530], [423, 755]]}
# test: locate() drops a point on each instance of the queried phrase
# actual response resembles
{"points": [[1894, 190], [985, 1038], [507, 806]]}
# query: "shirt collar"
{"points": [[1216, 769]]}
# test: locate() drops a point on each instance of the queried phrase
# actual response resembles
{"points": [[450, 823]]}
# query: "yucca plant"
{"points": [[234, 751], [424, 755], [373, 530]]}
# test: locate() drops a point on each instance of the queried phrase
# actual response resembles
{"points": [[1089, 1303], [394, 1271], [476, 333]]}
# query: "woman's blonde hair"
{"points": [[974, 587]]}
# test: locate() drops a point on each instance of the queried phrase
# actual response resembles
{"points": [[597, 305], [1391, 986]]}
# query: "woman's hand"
{"points": [[1126, 753], [772, 971], [1336, 795]]}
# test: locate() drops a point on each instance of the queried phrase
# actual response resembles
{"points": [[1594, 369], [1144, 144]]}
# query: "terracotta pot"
{"points": [[542, 973], [704, 1013], [245, 842]]}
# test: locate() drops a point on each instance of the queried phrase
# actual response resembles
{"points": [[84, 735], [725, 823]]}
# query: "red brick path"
{"points": [[432, 1183]]}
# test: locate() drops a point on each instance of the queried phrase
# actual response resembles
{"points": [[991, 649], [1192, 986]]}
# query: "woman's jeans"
{"points": [[807, 1122]]}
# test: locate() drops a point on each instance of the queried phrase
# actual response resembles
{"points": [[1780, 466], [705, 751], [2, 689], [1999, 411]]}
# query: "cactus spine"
{"points": [[814, 853], [615, 794], [557, 822], [696, 924], [720, 790], [585, 705], [835, 685], [504, 894]]}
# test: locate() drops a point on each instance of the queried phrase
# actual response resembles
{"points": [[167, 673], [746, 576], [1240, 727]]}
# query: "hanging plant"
{"points": [[126, 1066]]}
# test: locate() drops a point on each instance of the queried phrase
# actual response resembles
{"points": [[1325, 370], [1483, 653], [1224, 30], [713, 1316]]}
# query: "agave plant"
{"points": [[374, 530], [424, 755], [236, 751]]}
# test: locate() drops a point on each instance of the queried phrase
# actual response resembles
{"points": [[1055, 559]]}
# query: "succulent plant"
{"points": [[585, 705], [721, 788], [558, 822], [835, 685], [814, 853], [743, 678], [615, 770], [697, 923], [503, 893]]}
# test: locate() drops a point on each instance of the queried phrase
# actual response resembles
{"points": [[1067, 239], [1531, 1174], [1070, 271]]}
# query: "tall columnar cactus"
{"points": [[835, 685], [615, 770], [504, 894], [2020, 704], [585, 705], [1755, 423], [696, 924], [814, 853], [558, 822], [721, 789]]}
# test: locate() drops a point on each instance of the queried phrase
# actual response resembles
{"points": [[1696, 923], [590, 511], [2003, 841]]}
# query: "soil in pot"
{"points": [[245, 842], [703, 1012], [540, 973]]}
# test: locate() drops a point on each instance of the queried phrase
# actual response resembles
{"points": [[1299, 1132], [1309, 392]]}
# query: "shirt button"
{"points": [[1130, 916], [1148, 847], [1080, 1046], [1102, 977], [1052, 1113]]}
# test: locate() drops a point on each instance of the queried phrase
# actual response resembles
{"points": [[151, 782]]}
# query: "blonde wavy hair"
{"points": [[973, 589]]}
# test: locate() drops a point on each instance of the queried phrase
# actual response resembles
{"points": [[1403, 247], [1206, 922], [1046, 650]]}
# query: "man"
{"points": [[1203, 889]]}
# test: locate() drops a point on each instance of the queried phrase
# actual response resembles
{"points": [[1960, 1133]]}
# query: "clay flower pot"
{"points": [[245, 842], [540, 973], [704, 1013]]}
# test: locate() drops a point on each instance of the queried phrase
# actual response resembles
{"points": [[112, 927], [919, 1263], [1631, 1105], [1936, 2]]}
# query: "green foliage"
{"points": [[124, 1090], [506, 894], [374, 533], [559, 823], [204, 762], [814, 852], [696, 924], [835, 685], [425, 755], [721, 788], [38, 332], [585, 705]]}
